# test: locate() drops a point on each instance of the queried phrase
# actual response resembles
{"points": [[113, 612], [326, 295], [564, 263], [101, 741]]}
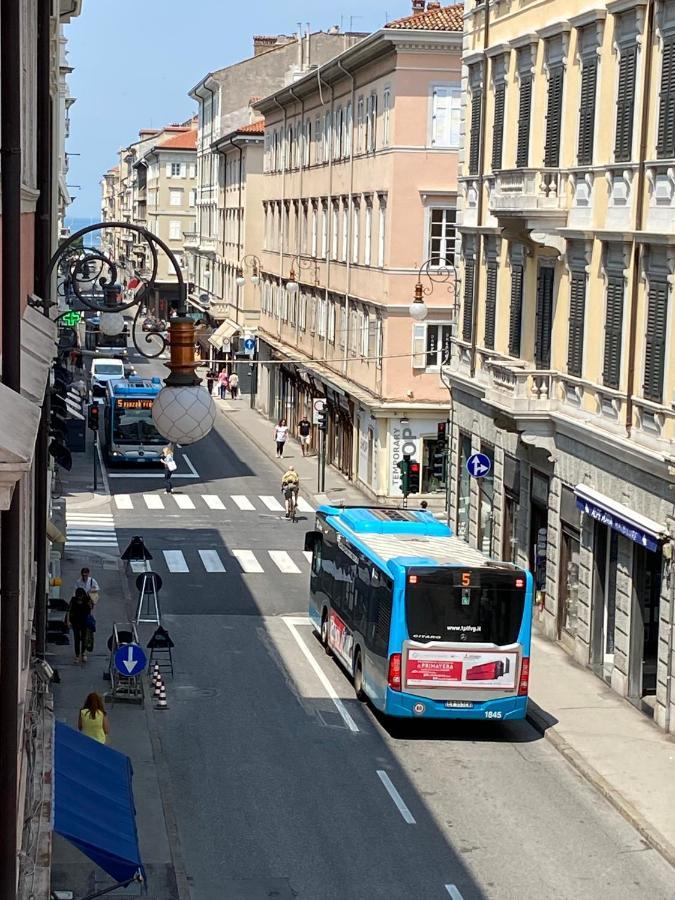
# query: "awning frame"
{"points": [[633, 525]]}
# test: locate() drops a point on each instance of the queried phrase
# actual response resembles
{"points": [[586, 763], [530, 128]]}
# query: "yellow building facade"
{"points": [[562, 367]]}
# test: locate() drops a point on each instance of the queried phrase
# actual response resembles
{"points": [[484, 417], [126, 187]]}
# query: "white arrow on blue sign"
{"points": [[249, 345], [130, 660], [478, 465]]}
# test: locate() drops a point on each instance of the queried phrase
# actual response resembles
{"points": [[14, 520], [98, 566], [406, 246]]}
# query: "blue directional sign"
{"points": [[478, 465], [130, 660], [249, 345]]}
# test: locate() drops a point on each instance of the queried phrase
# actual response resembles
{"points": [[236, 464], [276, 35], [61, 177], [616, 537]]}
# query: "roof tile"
{"points": [[442, 18], [184, 140]]}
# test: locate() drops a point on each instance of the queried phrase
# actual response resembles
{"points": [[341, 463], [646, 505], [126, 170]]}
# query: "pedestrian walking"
{"points": [[210, 379], [305, 432], [79, 611], [170, 467], [280, 435], [89, 585], [223, 383], [234, 385], [93, 719]]}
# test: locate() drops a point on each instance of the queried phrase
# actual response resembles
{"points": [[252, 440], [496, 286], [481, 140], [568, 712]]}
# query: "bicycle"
{"points": [[290, 496]]}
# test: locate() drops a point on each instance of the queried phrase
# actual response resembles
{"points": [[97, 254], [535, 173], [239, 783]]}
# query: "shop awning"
{"points": [[223, 333], [631, 524], [94, 803]]}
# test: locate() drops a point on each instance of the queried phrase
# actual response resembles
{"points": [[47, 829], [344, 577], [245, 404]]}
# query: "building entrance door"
{"points": [[644, 636], [605, 555]]}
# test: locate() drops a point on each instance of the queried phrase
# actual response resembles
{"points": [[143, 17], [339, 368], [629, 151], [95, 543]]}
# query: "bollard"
{"points": [[159, 686], [162, 702]]}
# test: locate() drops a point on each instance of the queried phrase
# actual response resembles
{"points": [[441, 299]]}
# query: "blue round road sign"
{"points": [[249, 345], [130, 660], [478, 465]]}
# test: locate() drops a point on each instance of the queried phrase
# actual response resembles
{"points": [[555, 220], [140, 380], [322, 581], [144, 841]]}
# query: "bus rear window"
{"points": [[478, 606]]}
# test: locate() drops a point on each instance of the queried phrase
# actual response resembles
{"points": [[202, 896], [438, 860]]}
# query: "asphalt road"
{"points": [[285, 786]]}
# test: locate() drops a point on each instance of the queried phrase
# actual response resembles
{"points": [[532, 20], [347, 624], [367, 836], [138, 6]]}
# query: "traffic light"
{"points": [[438, 462], [404, 469], [323, 419], [441, 431], [414, 477], [92, 416]]}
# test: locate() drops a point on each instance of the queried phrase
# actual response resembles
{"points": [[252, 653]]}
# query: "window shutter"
{"points": [[467, 322], [516, 312], [440, 131], [575, 349], [553, 117], [490, 305], [625, 103], [183, 170], [665, 142], [589, 75], [655, 344], [524, 108], [544, 317], [419, 337], [168, 170], [613, 331], [474, 145], [498, 126]]}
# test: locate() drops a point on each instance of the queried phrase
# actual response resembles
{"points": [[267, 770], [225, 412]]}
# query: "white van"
{"points": [[103, 371]]}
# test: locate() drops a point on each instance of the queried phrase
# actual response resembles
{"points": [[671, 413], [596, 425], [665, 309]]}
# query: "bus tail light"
{"points": [[524, 676], [394, 675]]}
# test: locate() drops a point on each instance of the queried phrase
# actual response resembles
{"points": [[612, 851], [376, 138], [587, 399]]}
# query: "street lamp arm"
{"points": [[445, 274]]}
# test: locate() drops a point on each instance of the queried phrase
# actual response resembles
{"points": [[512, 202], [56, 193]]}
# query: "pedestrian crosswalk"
{"points": [[202, 502], [91, 529], [248, 562]]}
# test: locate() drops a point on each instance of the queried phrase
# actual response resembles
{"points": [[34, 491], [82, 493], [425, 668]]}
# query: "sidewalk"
{"points": [[615, 747], [132, 727]]}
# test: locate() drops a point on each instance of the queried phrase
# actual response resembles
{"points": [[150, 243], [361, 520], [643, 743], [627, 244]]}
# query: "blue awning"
{"points": [[94, 802]]}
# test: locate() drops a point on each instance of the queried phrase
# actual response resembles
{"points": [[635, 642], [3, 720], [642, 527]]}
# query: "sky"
{"points": [[135, 60]]}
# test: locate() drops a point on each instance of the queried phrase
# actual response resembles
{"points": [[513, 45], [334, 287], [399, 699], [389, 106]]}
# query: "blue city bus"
{"points": [[130, 434], [425, 625]]}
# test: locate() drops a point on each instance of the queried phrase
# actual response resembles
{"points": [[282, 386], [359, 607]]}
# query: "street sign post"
{"points": [[478, 465], [318, 406], [130, 660], [249, 346]]}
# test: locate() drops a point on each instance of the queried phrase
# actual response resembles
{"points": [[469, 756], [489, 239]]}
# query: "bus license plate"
{"points": [[458, 704]]}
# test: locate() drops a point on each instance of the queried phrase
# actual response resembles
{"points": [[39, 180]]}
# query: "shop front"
{"points": [[419, 439]]}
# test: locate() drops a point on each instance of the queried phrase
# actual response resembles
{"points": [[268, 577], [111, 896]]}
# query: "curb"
{"points": [[539, 721]]}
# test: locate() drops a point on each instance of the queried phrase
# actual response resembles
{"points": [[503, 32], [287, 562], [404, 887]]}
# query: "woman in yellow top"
{"points": [[93, 719]]}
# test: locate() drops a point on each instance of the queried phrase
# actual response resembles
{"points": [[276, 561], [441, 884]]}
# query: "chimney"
{"points": [[417, 7], [262, 43], [433, 4]]}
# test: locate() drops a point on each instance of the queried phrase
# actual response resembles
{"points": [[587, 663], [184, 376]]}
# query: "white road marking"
{"points": [[308, 556], [123, 501], [291, 622], [93, 532], [89, 517], [92, 544], [248, 561], [175, 561], [183, 501], [304, 506], [242, 502], [153, 501], [396, 797], [454, 892], [283, 562], [271, 503], [211, 561], [195, 473], [174, 475], [213, 502]]}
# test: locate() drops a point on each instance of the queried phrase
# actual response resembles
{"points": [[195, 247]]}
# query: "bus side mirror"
{"points": [[312, 538]]}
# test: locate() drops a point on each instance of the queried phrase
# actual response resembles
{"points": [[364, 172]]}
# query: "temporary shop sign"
{"points": [[456, 668], [627, 529]]}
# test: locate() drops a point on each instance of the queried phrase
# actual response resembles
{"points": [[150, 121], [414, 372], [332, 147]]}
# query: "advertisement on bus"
{"points": [[459, 669]]}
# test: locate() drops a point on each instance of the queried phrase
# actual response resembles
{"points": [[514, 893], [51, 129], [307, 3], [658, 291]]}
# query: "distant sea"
{"points": [[76, 222]]}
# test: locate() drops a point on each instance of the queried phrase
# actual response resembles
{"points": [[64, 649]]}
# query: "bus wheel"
{"points": [[324, 632], [358, 677]]}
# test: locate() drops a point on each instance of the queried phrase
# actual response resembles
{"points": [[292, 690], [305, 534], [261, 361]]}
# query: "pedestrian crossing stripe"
{"points": [[90, 530], [283, 562], [272, 503], [125, 502], [242, 502]]}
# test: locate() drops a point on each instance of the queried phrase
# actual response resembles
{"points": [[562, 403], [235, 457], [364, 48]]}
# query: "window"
{"points": [[365, 318], [575, 348], [419, 334], [524, 109], [344, 246], [331, 322], [625, 104], [442, 236], [381, 236], [175, 197], [544, 317], [304, 237], [338, 133], [490, 302], [302, 312], [655, 339], [613, 331], [192, 197], [175, 230], [516, 310], [437, 350], [360, 124], [324, 229], [347, 143], [174, 170], [553, 117], [334, 233], [665, 141], [356, 238], [326, 137], [445, 116], [589, 75], [315, 227], [318, 140], [371, 123], [498, 126], [369, 233], [386, 116]]}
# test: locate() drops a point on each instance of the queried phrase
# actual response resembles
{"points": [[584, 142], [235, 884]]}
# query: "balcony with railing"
{"points": [[530, 193], [191, 239]]}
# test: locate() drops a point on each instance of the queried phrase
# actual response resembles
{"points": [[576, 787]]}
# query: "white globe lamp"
{"points": [[240, 280], [111, 323], [418, 308]]}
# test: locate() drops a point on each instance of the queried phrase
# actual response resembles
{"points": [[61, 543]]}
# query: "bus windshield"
{"points": [[480, 606], [135, 426]]}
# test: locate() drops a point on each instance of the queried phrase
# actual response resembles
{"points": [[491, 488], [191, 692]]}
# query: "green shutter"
{"points": [[553, 117], [589, 77], [524, 108], [544, 317], [655, 341], [474, 144], [625, 104], [665, 142], [490, 304], [611, 374], [575, 349], [467, 321], [516, 311], [498, 126]]}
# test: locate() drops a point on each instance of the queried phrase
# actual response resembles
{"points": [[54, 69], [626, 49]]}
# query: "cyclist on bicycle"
{"points": [[290, 485]]}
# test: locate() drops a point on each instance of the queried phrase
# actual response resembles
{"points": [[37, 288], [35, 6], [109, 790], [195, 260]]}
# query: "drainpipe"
{"points": [[10, 537], [282, 230], [636, 250], [479, 206], [350, 214], [302, 169]]}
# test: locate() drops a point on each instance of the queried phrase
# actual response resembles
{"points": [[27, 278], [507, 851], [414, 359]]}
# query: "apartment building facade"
{"points": [[224, 104], [360, 191], [563, 367]]}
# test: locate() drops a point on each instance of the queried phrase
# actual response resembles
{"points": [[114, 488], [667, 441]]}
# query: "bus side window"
{"points": [[361, 589], [379, 613]]}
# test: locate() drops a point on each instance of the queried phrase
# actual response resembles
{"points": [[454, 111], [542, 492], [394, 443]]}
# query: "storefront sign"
{"points": [[454, 668], [404, 443], [605, 517]]}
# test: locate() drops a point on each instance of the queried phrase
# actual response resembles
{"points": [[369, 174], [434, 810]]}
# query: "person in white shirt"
{"points": [[88, 584], [280, 435]]}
